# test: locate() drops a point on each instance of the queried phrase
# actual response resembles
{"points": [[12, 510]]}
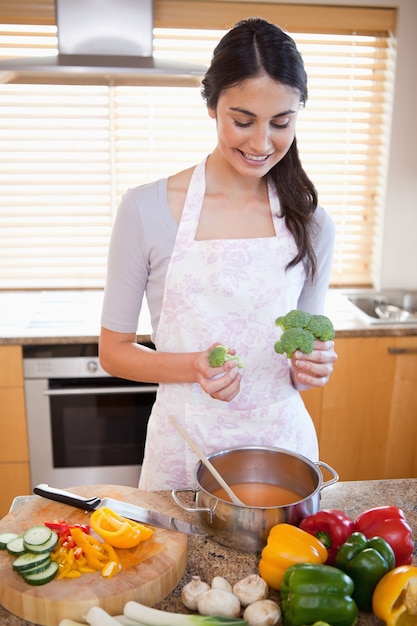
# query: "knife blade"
{"points": [[125, 509]]}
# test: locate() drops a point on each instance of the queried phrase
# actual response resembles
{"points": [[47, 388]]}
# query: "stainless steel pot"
{"points": [[246, 528]]}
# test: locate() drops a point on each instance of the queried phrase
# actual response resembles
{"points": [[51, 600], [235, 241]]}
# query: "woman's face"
{"points": [[256, 124]]}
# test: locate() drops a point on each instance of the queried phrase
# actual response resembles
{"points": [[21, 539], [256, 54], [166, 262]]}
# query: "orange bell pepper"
{"points": [[118, 531], [287, 545], [395, 597]]}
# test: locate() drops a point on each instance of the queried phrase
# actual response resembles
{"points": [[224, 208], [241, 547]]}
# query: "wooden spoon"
{"points": [[206, 462]]}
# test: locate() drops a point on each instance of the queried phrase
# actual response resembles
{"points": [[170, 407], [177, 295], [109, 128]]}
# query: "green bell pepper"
{"points": [[366, 561], [313, 592]]}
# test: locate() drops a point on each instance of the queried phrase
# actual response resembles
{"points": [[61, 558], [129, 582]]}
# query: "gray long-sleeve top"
{"points": [[142, 241]]}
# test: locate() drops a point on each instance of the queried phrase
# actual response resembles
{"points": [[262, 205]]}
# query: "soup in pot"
{"points": [[260, 494]]}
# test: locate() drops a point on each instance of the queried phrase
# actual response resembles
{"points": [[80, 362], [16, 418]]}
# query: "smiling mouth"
{"points": [[252, 157]]}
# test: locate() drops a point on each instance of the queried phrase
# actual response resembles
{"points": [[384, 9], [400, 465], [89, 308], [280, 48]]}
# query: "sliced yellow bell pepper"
{"points": [[71, 563], [89, 555], [113, 565], [110, 569], [91, 548], [92, 554], [395, 597], [118, 531], [287, 545]]}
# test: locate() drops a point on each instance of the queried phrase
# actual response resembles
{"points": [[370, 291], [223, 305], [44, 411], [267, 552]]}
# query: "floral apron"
{"points": [[228, 291]]}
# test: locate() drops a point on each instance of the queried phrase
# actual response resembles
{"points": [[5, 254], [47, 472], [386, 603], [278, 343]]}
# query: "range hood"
{"points": [[102, 42]]}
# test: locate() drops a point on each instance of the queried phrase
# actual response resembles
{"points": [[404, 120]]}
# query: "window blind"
{"points": [[68, 153]]}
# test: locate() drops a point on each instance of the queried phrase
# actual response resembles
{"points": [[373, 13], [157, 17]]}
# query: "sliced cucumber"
{"points": [[41, 578], [37, 535], [16, 546], [28, 559], [48, 546], [32, 550], [5, 538], [36, 568]]}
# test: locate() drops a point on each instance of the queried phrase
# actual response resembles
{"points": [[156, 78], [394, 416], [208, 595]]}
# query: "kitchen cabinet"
{"points": [[14, 456], [366, 416]]}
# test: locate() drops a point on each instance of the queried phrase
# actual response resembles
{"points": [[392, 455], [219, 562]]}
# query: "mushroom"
{"points": [[262, 613], [191, 591], [251, 589], [218, 602], [218, 582]]}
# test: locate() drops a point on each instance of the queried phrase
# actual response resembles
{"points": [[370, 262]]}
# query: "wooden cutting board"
{"points": [[151, 570]]}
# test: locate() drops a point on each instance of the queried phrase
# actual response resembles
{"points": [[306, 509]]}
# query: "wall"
{"points": [[399, 244]]}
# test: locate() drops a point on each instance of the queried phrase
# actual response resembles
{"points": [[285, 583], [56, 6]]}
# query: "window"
{"points": [[68, 153]]}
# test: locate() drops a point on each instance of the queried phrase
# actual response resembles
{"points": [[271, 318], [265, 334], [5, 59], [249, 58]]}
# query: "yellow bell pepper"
{"points": [[287, 545], [91, 548], [395, 597], [118, 531], [88, 556], [72, 563], [113, 565]]}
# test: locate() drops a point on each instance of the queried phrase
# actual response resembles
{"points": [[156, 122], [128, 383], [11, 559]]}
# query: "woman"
{"points": [[221, 250]]}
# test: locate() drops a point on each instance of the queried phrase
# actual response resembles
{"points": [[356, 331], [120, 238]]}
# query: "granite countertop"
{"points": [[73, 316], [207, 558]]}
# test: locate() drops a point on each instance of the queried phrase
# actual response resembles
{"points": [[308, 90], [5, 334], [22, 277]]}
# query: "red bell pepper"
{"points": [[388, 522], [63, 530], [330, 526], [61, 527]]}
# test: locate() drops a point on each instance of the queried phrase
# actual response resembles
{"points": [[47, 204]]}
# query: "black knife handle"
{"points": [[67, 497]]}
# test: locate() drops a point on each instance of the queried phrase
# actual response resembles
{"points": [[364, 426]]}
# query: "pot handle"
{"points": [[193, 509], [331, 470]]}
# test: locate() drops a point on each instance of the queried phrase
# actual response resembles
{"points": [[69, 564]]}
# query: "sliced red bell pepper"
{"points": [[63, 530], [84, 527], [330, 526], [388, 522], [61, 527]]}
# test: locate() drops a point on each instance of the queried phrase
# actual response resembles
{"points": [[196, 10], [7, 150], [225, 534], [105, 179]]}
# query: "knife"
{"points": [[125, 509]]}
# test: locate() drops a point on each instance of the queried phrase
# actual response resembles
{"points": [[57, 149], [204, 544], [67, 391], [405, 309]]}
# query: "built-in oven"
{"points": [[84, 426]]}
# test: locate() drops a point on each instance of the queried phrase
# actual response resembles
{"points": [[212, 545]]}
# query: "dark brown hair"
{"points": [[253, 47]]}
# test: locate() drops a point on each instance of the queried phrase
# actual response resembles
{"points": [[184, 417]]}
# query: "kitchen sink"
{"points": [[386, 306]]}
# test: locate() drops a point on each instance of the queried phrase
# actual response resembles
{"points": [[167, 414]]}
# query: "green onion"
{"points": [[97, 616], [125, 621], [154, 617]]}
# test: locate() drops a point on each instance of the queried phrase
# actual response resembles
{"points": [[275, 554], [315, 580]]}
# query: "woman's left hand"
{"points": [[313, 370]]}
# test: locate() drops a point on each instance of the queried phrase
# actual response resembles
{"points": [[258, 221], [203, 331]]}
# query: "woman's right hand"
{"points": [[221, 383]]}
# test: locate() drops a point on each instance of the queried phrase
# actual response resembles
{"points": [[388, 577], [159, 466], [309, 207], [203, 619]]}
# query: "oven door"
{"points": [[87, 430]]}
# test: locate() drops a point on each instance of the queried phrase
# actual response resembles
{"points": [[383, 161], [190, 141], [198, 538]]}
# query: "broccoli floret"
{"points": [[294, 339], [300, 330], [219, 354], [321, 327], [293, 319]]}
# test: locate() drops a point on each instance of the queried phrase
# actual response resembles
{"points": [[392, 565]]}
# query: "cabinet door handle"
{"points": [[402, 350]]}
